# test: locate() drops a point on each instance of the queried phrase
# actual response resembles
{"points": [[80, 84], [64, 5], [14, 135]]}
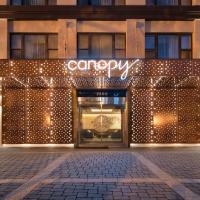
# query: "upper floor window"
{"points": [[101, 2], [91, 45], [34, 46], [169, 2], [168, 46], [32, 2]]}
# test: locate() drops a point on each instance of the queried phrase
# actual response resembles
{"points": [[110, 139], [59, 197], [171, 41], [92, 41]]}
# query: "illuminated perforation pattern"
{"points": [[53, 68], [189, 82], [61, 82], [141, 115], [37, 111], [188, 114], [164, 117], [61, 116], [141, 82], [164, 104], [38, 114], [4, 67], [172, 114], [24, 67], [14, 116], [196, 68], [101, 82], [15, 82]]}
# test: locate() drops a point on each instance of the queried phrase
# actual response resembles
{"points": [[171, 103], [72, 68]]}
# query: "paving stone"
{"points": [[195, 187], [24, 165], [141, 191], [177, 163], [102, 165], [7, 188]]}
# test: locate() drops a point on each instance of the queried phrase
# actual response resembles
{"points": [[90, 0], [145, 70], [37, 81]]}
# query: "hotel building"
{"points": [[99, 73]]}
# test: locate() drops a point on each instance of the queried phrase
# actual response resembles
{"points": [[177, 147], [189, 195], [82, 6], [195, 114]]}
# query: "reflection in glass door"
{"points": [[101, 119]]}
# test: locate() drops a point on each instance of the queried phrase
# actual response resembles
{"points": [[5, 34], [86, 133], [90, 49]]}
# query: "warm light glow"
{"points": [[102, 110], [163, 119], [38, 145], [132, 145]]}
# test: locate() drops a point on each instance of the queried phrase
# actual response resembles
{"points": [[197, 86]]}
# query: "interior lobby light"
{"points": [[102, 110]]}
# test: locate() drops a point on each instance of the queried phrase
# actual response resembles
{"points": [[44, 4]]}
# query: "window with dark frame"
{"points": [[101, 45], [169, 2], [33, 46], [32, 2], [168, 46], [101, 2]]}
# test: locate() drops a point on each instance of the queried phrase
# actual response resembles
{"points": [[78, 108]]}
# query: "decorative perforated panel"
{"points": [[164, 100]]}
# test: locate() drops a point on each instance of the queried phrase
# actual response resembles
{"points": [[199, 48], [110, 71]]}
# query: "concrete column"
{"points": [[195, 2], [135, 38], [67, 38], [3, 39], [196, 39], [3, 2], [135, 2], [66, 2]]}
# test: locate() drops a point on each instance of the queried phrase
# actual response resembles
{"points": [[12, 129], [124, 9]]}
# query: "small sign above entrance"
{"points": [[101, 93]]}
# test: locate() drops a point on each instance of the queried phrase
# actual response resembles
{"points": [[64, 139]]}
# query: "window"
{"points": [[34, 46], [91, 45], [168, 46], [169, 2], [32, 2], [101, 2]]}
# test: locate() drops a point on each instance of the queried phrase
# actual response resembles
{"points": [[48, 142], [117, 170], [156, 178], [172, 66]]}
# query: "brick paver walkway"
{"points": [[143, 174]]}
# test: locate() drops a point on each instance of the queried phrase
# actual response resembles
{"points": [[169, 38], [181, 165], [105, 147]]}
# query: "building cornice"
{"points": [[100, 12]]}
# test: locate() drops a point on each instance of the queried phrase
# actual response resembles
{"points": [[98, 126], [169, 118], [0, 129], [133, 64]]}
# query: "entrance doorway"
{"points": [[102, 118]]}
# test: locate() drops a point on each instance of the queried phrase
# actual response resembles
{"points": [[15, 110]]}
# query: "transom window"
{"points": [[101, 2], [169, 2], [168, 46], [32, 2], [34, 46], [92, 45]]}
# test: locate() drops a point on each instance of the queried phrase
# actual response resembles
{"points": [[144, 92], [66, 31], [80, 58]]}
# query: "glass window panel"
{"points": [[150, 2], [35, 46], [150, 54], [83, 2], [16, 54], [149, 42], [186, 54], [120, 2], [186, 2], [120, 54], [52, 2], [120, 41], [167, 2], [168, 46], [52, 41], [16, 2], [83, 54], [101, 2], [186, 42], [83, 42], [34, 2], [16, 41], [53, 54], [101, 46]]}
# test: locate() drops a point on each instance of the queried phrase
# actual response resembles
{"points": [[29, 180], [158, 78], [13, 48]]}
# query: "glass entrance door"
{"points": [[101, 119]]}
